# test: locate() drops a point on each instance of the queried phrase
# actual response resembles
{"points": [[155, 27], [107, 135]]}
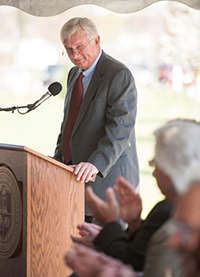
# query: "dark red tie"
{"points": [[75, 103]]}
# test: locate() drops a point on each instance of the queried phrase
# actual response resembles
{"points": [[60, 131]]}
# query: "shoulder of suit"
{"points": [[110, 62], [164, 205], [72, 72]]}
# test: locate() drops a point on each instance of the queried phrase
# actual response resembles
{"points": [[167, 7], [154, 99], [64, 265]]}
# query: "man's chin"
{"points": [[82, 65]]}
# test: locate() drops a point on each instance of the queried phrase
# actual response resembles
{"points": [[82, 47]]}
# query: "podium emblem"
{"points": [[10, 213]]}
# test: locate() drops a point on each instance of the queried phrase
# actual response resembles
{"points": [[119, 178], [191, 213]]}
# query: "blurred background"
{"points": [[160, 44]]}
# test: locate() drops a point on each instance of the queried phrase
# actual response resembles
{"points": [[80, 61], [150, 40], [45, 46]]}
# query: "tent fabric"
{"points": [[53, 7]]}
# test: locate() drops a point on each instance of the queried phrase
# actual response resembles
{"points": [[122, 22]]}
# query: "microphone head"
{"points": [[55, 88]]}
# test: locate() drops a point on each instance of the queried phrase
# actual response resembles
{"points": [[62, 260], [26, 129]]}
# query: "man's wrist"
{"points": [[134, 225], [109, 220]]}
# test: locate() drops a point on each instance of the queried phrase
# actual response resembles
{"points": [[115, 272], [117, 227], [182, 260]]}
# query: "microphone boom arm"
{"points": [[13, 108], [53, 89]]}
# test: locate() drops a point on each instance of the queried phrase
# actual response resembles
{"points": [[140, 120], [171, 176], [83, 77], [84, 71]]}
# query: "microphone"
{"points": [[53, 89]]}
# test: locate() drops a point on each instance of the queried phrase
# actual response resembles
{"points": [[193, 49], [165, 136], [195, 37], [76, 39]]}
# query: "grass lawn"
{"points": [[39, 129]]}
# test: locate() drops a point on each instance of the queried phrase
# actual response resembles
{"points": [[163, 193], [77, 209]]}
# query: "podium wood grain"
{"points": [[53, 205]]}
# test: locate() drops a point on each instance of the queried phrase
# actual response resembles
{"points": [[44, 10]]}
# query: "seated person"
{"points": [[128, 246], [181, 141], [186, 235], [177, 164]]}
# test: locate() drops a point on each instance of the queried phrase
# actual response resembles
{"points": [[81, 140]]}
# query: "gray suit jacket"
{"points": [[104, 132], [162, 261]]}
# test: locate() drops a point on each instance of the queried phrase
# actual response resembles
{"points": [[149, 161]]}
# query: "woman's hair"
{"points": [[80, 25]]}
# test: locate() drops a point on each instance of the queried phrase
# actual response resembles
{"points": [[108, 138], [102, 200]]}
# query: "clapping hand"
{"points": [[88, 232], [130, 203], [103, 212], [87, 262]]}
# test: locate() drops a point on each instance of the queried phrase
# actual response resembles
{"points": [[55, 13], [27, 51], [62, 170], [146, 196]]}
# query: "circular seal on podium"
{"points": [[10, 213]]}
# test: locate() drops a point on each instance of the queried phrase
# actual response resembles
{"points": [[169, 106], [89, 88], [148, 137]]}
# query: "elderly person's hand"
{"points": [[103, 212], [115, 268], [87, 262], [88, 232], [84, 261], [130, 203]]}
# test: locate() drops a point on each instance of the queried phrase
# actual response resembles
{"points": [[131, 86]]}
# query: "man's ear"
{"points": [[97, 41]]}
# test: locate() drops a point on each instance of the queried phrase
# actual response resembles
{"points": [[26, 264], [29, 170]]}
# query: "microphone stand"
{"points": [[53, 89], [30, 108], [13, 108]]}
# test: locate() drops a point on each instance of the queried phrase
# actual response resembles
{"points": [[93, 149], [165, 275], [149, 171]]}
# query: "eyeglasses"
{"points": [[79, 49]]}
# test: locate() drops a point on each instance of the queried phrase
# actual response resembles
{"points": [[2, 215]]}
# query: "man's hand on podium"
{"points": [[85, 172]]}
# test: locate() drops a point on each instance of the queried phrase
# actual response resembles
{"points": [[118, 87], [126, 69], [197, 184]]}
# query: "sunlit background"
{"points": [[160, 44]]}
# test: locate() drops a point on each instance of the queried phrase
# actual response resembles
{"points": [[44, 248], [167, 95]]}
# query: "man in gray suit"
{"points": [[102, 140]]}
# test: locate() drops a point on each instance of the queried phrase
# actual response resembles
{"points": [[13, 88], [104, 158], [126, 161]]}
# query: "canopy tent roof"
{"points": [[53, 7]]}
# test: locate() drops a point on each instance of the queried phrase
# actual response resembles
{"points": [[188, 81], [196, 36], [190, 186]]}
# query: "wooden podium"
{"points": [[41, 204]]}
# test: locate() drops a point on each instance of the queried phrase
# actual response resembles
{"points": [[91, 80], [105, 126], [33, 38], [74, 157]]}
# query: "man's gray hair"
{"points": [[177, 152], [80, 25]]}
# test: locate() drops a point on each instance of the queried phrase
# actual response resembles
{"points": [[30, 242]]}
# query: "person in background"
{"points": [[97, 135], [186, 234], [177, 164], [127, 246], [175, 154]]}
